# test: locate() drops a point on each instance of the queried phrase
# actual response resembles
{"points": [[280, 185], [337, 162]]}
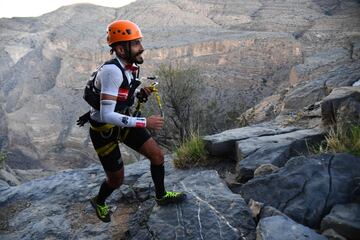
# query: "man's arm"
{"points": [[111, 79], [108, 114]]}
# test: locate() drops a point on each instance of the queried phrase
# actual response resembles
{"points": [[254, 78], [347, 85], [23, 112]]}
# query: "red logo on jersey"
{"points": [[123, 94]]}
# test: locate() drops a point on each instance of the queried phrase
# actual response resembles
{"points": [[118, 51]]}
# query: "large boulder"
{"points": [[306, 188], [341, 106], [211, 211], [273, 149], [224, 143], [307, 93], [344, 219], [283, 228]]}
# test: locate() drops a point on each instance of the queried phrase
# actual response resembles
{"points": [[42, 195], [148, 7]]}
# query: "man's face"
{"points": [[136, 50]]}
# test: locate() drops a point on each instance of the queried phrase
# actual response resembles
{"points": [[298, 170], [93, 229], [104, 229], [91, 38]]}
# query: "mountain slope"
{"points": [[244, 49]]}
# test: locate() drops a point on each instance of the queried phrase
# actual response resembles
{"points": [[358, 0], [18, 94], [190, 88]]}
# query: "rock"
{"points": [[355, 50], [315, 90], [255, 208], [342, 104], [224, 143], [317, 65], [128, 194], [344, 219], [273, 149], [264, 169], [211, 211], [349, 113], [306, 187], [30, 174], [356, 84], [52, 205], [310, 81], [138, 229], [355, 193], [3, 184], [332, 235], [8, 175], [266, 110], [283, 228], [269, 211], [57, 206]]}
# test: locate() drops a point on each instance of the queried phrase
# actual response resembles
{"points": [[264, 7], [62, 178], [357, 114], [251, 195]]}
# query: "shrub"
{"points": [[191, 153], [180, 88], [341, 139]]}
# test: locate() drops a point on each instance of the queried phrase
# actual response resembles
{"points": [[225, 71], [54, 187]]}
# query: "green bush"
{"points": [[341, 139], [191, 153]]}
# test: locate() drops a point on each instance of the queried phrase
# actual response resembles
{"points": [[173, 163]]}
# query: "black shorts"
{"points": [[107, 146]]}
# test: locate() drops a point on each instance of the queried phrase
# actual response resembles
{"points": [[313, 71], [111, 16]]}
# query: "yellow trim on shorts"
{"points": [[107, 149]]}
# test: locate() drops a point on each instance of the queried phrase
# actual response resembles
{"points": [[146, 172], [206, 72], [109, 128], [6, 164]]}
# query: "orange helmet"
{"points": [[122, 30]]}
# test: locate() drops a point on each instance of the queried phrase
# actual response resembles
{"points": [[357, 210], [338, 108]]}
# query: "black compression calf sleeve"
{"points": [[104, 192], [158, 174]]}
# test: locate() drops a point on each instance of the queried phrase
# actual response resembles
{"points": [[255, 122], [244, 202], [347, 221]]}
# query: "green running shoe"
{"points": [[171, 197], [102, 212]]}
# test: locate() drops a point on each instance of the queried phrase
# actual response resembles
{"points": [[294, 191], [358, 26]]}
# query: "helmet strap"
{"points": [[129, 50]]}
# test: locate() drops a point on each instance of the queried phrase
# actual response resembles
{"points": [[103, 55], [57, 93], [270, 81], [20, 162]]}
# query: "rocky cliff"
{"points": [[303, 56], [246, 50]]}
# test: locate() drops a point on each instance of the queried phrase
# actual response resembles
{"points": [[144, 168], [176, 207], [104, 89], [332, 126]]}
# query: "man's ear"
{"points": [[120, 49]]}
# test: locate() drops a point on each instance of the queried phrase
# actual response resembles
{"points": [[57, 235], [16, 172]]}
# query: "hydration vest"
{"points": [[125, 98]]}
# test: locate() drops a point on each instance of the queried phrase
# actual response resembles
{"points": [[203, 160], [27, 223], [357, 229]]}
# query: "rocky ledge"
{"points": [[308, 194], [57, 207]]}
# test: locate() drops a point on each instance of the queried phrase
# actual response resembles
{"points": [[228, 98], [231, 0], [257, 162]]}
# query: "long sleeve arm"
{"points": [[108, 115]]}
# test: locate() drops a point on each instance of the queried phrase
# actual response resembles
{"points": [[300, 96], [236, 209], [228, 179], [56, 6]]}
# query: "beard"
{"points": [[137, 58]]}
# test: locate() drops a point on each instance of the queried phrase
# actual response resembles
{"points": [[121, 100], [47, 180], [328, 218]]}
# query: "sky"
{"points": [[35, 8]]}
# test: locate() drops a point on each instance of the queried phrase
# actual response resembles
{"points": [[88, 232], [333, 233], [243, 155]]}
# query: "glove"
{"points": [[83, 119], [143, 95]]}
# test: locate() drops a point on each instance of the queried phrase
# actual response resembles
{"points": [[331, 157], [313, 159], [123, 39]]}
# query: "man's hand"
{"points": [[155, 122], [144, 93], [147, 90]]}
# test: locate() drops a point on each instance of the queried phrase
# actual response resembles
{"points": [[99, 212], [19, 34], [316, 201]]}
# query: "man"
{"points": [[117, 84]]}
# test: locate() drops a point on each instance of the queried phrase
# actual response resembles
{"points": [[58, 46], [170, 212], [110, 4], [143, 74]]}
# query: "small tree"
{"points": [[189, 106], [179, 88]]}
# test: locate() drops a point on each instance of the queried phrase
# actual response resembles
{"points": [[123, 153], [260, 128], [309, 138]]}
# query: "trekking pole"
{"points": [[140, 103], [157, 97]]}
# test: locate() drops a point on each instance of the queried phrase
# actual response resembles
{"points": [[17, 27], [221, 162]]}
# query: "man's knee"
{"points": [[158, 157], [153, 152]]}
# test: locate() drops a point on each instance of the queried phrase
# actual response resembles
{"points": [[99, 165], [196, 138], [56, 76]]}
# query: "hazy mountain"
{"points": [[245, 49]]}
